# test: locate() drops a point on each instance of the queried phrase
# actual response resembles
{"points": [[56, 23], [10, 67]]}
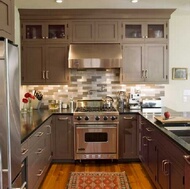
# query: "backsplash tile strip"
{"points": [[82, 81]]}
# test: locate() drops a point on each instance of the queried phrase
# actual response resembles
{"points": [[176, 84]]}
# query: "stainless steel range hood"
{"points": [[95, 56]]}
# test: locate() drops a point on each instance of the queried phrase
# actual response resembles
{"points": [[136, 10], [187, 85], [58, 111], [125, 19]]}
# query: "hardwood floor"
{"points": [[58, 175]]}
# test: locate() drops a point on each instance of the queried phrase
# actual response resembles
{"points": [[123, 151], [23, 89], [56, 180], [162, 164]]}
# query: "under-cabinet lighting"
{"points": [[134, 1], [59, 1]]}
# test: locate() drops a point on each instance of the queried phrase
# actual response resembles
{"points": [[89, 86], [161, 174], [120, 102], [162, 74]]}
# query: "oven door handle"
{"points": [[97, 127]]}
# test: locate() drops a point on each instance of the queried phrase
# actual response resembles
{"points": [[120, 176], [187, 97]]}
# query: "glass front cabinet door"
{"points": [[140, 31], [48, 31]]}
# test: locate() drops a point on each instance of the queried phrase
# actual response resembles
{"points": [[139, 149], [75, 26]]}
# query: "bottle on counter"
{"points": [[71, 104]]}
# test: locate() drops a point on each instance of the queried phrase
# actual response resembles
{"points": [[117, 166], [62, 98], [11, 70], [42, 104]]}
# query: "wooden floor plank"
{"points": [[58, 174]]}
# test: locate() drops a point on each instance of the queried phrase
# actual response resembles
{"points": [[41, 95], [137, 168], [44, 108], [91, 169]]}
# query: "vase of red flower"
{"points": [[28, 97]]}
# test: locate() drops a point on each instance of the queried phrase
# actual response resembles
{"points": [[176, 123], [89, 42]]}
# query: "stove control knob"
{"points": [[97, 118], [105, 118], [86, 118], [78, 118], [113, 118]]}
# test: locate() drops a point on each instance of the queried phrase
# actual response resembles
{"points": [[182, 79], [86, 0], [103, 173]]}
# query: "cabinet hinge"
{"points": [[166, 47], [166, 36], [166, 76]]}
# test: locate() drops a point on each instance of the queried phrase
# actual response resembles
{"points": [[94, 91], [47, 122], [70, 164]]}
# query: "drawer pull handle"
{"points": [[48, 126], [24, 151], [149, 129], [187, 158], [40, 173], [149, 139], [39, 134], [39, 151], [128, 118], [63, 118]]}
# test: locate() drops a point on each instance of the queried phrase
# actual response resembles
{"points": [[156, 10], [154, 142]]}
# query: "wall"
{"points": [[177, 93]]}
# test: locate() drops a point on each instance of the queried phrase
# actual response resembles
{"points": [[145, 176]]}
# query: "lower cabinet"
{"points": [[63, 137], [128, 140], [148, 148], [161, 157], [187, 171], [39, 155]]}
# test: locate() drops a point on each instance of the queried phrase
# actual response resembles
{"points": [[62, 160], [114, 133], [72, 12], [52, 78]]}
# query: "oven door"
{"points": [[96, 139]]}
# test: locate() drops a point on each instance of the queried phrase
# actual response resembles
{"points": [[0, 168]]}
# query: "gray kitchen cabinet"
{"points": [[148, 153], [44, 31], [63, 137], [44, 64], [170, 166], [145, 31], [39, 155], [187, 171], [7, 19], [161, 157], [95, 31], [144, 63], [128, 140]]}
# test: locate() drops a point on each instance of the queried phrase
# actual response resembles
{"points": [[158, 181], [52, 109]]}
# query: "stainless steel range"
{"points": [[96, 130]]}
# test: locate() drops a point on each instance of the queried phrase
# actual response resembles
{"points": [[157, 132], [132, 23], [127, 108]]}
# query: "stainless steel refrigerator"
{"points": [[10, 140]]}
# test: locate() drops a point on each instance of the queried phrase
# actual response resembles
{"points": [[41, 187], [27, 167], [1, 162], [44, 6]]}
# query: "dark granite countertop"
{"points": [[31, 121]]}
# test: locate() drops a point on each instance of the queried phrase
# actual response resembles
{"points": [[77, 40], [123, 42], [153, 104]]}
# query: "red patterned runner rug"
{"points": [[98, 180]]}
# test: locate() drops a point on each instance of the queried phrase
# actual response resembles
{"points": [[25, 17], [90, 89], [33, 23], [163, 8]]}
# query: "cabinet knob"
{"points": [[146, 73]]}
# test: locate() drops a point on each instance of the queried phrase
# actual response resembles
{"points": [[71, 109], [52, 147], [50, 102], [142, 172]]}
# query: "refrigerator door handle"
{"points": [[22, 187]]}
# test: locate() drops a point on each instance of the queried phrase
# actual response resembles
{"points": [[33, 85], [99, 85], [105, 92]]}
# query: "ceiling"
{"points": [[118, 4]]}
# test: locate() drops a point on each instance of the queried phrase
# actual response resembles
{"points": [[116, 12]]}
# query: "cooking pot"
{"points": [[108, 102]]}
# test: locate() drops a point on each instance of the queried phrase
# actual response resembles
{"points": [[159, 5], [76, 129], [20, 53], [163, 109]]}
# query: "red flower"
{"points": [[28, 95], [24, 100]]}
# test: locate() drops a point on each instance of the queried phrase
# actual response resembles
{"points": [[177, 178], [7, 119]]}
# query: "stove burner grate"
{"points": [[95, 109]]}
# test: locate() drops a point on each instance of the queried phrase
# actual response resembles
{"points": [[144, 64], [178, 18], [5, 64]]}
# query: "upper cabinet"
{"points": [[7, 19], [154, 31], [95, 31], [38, 31]]}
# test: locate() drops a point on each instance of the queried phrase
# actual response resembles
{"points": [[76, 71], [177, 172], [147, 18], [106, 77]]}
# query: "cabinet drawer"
{"points": [[36, 169], [37, 137], [24, 150]]}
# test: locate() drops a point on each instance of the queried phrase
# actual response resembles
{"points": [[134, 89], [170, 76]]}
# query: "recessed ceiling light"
{"points": [[134, 1], [59, 1]]}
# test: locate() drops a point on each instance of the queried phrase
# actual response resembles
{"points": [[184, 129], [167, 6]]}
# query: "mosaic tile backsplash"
{"points": [[93, 84]]}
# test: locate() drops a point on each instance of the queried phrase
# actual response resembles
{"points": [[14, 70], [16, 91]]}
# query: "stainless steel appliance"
{"points": [[134, 101], [10, 140], [96, 130], [95, 55], [121, 100]]}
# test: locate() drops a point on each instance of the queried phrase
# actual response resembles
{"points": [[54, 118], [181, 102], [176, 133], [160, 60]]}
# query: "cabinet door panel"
{"points": [[32, 64], [133, 62], [63, 138], [128, 142], [106, 31], [83, 31], [156, 68], [56, 64], [7, 19]]}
